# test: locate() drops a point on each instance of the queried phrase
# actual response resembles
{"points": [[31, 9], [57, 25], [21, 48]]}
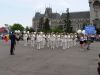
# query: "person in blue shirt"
{"points": [[13, 43]]}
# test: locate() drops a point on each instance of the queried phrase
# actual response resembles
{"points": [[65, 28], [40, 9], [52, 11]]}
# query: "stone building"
{"points": [[56, 19], [95, 12], [77, 18]]}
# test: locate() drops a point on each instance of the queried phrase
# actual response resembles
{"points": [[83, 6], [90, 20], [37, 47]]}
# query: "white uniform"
{"points": [[33, 40], [61, 40], [25, 39], [52, 39], [71, 40], [75, 40], [68, 41], [48, 40], [39, 39], [58, 41], [64, 46], [43, 41]]}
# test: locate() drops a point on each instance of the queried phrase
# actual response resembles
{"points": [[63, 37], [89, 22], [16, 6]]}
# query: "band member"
{"points": [[25, 39], [33, 40]]}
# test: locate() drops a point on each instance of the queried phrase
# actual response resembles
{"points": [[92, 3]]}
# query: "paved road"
{"points": [[28, 61]]}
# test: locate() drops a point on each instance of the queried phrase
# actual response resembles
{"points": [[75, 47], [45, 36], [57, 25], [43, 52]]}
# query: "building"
{"points": [[3, 30], [77, 18], [95, 12]]}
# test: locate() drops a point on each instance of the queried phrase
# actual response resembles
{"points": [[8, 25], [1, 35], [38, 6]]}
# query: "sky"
{"points": [[22, 11]]}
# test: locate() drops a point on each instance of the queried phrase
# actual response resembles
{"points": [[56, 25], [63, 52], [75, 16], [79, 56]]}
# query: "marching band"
{"points": [[51, 40]]}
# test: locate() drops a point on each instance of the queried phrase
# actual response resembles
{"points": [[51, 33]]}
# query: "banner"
{"points": [[90, 30]]}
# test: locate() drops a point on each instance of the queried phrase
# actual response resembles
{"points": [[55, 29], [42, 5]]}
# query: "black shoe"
{"points": [[88, 48], [12, 54]]}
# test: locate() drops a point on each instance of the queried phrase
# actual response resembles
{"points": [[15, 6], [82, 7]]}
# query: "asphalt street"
{"points": [[29, 61]]}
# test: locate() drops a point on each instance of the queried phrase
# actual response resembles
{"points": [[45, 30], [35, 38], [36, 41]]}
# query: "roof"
{"points": [[55, 16], [76, 15], [3, 29], [73, 15]]}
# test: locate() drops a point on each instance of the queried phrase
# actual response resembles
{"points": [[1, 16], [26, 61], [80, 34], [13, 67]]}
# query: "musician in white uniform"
{"points": [[64, 46], [38, 41], [68, 40], [75, 39], [25, 39], [52, 40], [48, 40], [33, 40], [58, 40], [71, 40], [43, 42]]}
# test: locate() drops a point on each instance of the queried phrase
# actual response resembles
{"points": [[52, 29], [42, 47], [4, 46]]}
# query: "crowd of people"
{"points": [[86, 40], [50, 40], [40, 40]]}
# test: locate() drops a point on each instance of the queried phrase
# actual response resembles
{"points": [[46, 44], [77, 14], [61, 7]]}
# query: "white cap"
{"points": [[28, 32], [79, 31], [83, 32], [24, 31]]}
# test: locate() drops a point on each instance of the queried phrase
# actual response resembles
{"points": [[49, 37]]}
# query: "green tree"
{"points": [[16, 26], [46, 27], [57, 30], [83, 26], [41, 23], [31, 30], [67, 26], [27, 29]]}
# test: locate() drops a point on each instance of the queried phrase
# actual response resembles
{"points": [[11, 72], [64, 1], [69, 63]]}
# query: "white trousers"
{"points": [[33, 43], [52, 44], [25, 42]]}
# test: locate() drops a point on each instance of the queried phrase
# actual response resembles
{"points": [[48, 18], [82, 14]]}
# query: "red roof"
{"points": [[3, 29]]}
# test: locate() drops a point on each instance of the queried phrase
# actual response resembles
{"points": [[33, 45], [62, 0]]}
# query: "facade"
{"points": [[77, 18], [95, 12]]}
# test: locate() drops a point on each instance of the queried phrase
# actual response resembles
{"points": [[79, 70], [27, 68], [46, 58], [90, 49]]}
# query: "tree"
{"points": [[83, 26], [67, 26], [17, 26], [31, 30], [46, 27], [57, 29], [41, 22], [27, 29]]}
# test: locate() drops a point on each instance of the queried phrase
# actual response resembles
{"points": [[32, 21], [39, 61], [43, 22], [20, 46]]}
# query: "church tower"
{"points": [[95, 12]]}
